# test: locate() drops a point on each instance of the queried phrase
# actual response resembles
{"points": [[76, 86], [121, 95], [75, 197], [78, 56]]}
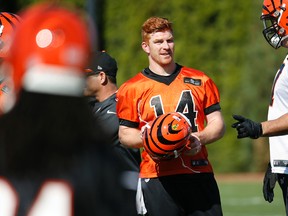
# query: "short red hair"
{"points": [[155, 24]]}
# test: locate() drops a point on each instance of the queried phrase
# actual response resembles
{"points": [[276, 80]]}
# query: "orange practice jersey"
{"points": [[147, 95]]}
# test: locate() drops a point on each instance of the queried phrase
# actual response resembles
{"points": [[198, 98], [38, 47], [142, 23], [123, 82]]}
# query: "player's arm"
{"points": [[275, 127], [248, 128], [130, 137], [214, 129]]}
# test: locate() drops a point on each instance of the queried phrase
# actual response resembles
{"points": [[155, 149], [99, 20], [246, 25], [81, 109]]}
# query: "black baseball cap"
{"points": [[102, 61]]}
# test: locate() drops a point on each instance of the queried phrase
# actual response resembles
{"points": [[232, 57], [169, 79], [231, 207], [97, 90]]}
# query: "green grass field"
{"points": [[244, 198]]}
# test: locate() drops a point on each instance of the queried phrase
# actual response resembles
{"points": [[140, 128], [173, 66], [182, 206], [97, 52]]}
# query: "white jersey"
{"points": [[278, 107]]}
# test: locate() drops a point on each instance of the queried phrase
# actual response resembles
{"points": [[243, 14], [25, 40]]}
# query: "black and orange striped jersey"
{"points": [[148, 95]]}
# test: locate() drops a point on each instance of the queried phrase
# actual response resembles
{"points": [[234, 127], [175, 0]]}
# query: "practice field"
{"points": [[241, 195]]}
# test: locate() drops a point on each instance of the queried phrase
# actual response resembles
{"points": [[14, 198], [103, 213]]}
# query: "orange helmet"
{"points": [[167, 136], [49, 51], [8, 22], [275, 21]]}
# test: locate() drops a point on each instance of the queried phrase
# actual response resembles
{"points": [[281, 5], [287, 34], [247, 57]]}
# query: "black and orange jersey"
{"points": [[148, 95], [76, 179]]}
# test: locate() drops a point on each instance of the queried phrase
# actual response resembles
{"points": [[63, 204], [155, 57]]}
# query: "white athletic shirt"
{"points": [[278, 107]]}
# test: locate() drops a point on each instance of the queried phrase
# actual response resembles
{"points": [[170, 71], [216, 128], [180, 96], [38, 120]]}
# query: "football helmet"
{"points": [[275, 21], [50, 48], [8, 23], [166, 137]]}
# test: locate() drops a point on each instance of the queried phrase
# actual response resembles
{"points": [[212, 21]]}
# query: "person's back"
{"points": [[52, 162], [48, 146]]}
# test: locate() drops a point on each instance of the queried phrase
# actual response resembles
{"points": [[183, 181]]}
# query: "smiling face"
{"points": [[160, 48]]}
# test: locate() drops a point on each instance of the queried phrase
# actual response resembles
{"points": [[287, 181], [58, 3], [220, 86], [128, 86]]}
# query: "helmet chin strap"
{"points": [[184, 165]]}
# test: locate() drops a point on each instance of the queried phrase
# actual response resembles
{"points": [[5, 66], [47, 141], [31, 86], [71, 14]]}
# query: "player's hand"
{"points": [[269, 184], [194, 145], [247, 128]]}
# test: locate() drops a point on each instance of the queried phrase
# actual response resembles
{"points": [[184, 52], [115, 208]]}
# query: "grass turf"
{"points": [[241, 198]]}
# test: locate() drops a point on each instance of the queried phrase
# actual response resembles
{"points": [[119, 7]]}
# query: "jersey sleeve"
{"points": [[212, 97], [126, 107]]}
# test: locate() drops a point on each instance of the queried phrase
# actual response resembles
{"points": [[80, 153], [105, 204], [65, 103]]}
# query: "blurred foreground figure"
{"points": [[51, 160]]}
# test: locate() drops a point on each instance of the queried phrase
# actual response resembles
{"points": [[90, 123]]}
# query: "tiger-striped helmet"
{"points": [[275, 21], [50, 49], [166, 136]]}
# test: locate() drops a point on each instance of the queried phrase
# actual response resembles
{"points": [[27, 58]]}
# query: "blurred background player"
{"points": [[184, 185], [52, 161], [101, 87], [274, 17], [8, 23]]}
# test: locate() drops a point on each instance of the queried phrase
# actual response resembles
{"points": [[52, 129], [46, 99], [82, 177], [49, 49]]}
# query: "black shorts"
{"points": [[179, 195]]}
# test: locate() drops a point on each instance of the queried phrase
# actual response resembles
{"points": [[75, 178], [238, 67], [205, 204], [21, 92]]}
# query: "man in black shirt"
{"points": [[101, 87]]}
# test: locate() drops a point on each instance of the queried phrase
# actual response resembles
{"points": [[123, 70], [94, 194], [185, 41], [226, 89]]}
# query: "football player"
{"points": [[183, 185], [274, 17]]}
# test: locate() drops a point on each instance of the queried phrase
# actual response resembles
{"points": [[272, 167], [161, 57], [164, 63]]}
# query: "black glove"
{"points": [[247, 127], [269, 184]]}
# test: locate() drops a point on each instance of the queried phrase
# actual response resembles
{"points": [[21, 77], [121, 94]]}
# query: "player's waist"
{"points": [[175, 166]]}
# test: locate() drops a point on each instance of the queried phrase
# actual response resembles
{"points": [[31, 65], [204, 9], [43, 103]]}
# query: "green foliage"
{"points": [[224, 40], [19, 5]]}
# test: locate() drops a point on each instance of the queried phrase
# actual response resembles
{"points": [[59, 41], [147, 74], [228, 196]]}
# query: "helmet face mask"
{"points": [[272, 31], [274, 17]]}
